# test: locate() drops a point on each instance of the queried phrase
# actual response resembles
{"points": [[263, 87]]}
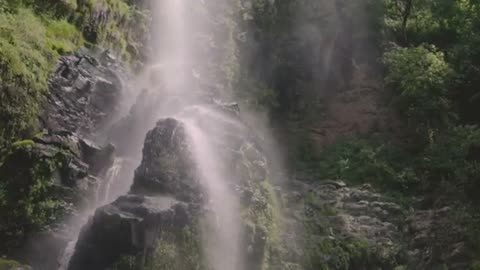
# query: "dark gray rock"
{"points": [[167, 166], [129, 225], [85, 91]]}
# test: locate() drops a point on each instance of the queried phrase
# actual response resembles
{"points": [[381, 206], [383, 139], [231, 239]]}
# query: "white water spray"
{"points": [[221, 234]]}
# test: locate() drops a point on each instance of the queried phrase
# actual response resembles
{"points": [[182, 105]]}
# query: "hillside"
{"points": [[234, 135]]}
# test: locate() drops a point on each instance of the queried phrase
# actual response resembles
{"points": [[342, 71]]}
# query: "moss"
{"points": [[180, 250], [261, 218], [6, 264], [23, 143]]}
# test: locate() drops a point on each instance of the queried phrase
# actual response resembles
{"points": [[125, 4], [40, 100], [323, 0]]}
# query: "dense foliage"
{"points": [[28, 199], [430, 55]]}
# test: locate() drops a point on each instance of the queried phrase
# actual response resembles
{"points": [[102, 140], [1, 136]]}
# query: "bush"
{"points": [[27, 193], [419, 78], [358, 160]]}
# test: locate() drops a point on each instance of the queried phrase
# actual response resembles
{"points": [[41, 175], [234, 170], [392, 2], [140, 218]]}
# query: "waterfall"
{"points": [[111, 175], [172, 82], [179, 55], [221, 234]]}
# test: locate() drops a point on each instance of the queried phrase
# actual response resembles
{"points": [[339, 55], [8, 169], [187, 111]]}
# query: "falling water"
{"points": [[104, 195], [110, 177], [221, 234]]}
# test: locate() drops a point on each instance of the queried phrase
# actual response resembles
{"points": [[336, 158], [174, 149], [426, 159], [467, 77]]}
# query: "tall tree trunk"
{"points": [[408, 4]]}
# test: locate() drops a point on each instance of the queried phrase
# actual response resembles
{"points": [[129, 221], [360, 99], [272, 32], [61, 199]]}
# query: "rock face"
{"points": [[347, 227], [438, 240], [343, 227], [85, 92], [162, 200], [130, 225]]}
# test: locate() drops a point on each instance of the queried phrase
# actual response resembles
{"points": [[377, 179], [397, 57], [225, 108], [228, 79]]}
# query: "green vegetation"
{"points": [[429, 51], [175, 250], [28, 200], [35, 33], [9, 265], [420, 77], [327, 248], [29, 48]]}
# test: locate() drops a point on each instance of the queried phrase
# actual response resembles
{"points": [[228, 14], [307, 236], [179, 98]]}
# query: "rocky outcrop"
{"points": [[343, 227], [329, 225], [164, 199], [437, 239], [130, 225], [85, 93]]}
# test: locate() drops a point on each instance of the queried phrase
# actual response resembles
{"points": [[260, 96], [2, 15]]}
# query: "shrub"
{"points": [[419, 78], [27, 193], [357, 160]]}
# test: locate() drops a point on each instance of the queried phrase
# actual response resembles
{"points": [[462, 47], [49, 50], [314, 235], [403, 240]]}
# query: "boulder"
{"points": [[167, 166]]}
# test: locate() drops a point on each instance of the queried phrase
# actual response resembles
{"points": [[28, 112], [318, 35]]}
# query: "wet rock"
{"points": [[129, 225], [167, 166], [85, 92]]}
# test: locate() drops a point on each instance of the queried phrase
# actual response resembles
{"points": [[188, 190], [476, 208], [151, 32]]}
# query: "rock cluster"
{"points": [[344, 226], [85, 93]]}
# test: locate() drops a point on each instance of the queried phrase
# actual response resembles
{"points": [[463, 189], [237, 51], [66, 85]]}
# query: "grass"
{"points": [[29, 48]]}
